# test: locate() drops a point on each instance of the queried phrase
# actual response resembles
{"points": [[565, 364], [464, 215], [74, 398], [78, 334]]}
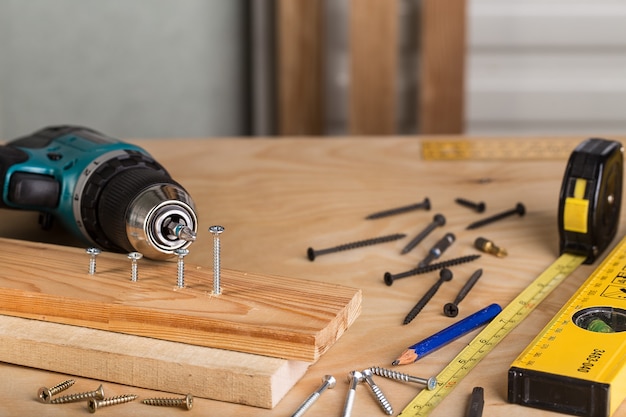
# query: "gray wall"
{"points": [[130, 68]]}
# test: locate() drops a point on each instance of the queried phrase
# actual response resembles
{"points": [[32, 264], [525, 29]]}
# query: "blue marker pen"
{"points": [[448, 334]]}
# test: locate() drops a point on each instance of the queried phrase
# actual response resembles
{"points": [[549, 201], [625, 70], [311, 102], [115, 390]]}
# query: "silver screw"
{"points": [[431, 383], [355, 378], [328, 381], [181, 252], [134, 257], [216, 231], [72, 398], [45, 394], [94, 404], [382, 400], [186, 402], [92, 252]]}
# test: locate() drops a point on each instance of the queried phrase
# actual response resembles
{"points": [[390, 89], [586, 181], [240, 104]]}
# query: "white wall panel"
{"points": [[554, 67]]}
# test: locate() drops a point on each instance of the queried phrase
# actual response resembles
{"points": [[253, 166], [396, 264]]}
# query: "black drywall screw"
{"points": [[438, 220], [477, 207], [390, 278], [312, 253], [399, 210], [519, 209], [452, 309], [437, 249], [444, 275]]}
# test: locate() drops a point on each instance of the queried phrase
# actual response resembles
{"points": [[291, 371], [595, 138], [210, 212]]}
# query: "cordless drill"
{"points": [[112, 194]]}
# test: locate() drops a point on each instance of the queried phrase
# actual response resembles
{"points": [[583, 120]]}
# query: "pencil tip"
{"points": [[396, 362]]}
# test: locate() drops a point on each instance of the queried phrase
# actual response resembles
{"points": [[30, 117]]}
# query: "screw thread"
{"points": [[380, 397], [180, 272], [306, 404], [120, 399], [80, 396], [399, 210], [389, 278], [216, 265], [186, 402], [133, 271], [312, 253], [92, 265], [399, 376], [61, 387]]}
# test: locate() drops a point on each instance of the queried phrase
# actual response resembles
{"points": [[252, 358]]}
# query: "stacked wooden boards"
{"points": [[149, 333]]}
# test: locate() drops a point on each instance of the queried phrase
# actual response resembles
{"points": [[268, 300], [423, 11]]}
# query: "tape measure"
{"points": [[589, 204], [486, 149]]}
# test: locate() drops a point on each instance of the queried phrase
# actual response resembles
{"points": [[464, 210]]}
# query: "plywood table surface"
{"points": [[277, 197]]}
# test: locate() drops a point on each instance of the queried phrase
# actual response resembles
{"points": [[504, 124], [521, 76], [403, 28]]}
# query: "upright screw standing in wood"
{"points": [[45, 394], [92, 252], [94, 404], [72, 398], [328, 381], [134, 257], [380, 397], [181, 253], [186, 403], [355, 378], [216, 231]]}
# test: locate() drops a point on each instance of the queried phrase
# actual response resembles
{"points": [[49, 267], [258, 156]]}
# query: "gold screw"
{"points": [[94, 404], [186, 402], [72, 398], [45, 394]]}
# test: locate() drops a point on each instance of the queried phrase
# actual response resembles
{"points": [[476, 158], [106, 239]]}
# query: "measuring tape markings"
{"points": [[513, 314]]}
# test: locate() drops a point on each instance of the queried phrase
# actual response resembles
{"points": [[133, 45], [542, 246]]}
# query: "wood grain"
{"points": [[373, 67], [299, 67], [260, 314], [441, 106]]}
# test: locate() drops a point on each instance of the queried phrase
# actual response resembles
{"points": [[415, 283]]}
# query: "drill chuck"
{"points": [[112, 194]]}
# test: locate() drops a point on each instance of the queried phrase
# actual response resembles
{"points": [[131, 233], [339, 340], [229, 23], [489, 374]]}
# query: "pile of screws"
{"points": [[96, 399], [354, 379], [180, 253]]}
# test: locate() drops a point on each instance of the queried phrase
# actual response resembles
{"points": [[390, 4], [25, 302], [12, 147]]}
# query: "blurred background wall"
{"points": [[203, 68]]}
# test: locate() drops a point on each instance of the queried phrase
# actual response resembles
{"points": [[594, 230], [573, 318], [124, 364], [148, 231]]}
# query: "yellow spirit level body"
{"points": [[577, 364]]}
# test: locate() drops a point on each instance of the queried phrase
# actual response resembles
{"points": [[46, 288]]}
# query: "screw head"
{"points": [[445, 274], [431, 384], [99, 393], [93, 251], [426, 203], [451, 310], [216, 230], [181, 252], [44, 395], [135, 256], [520, 209], [439, 220], [355, 375], [92, 405], [330, 381], [189, 401]]}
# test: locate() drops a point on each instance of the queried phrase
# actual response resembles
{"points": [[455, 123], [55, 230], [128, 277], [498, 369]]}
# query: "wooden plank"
{"points": [[373, 66], [179, 368], [442, 67], [259, 314], [299, 67]]}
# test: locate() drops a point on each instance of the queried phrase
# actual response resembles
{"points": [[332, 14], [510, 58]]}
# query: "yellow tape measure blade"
{"points": [[513, 314]]}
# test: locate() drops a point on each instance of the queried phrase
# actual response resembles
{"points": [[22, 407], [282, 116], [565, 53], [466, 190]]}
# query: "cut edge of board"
{"points": [[216, 374]]}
